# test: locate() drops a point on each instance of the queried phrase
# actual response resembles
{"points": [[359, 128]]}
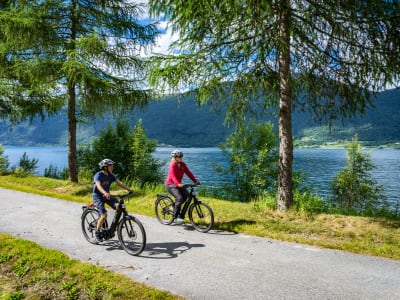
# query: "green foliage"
{"points": [[54, 172], [354, 190], [94, 69], [129, 149], [144, 167], [4, 162], [320, 57], [252, 158], [26, 166]]}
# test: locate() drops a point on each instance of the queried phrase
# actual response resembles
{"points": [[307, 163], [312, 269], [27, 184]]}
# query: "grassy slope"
{"points": [[28, 271]]}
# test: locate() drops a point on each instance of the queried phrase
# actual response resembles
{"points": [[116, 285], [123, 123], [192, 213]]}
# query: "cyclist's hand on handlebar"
{"points": [[198, 182], [181, 185], [107, 196]]}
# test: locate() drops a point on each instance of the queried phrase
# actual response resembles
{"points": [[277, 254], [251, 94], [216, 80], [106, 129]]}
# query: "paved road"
{"points": [[217, 265]]}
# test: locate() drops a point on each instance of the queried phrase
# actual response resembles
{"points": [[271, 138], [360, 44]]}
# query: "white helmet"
{"points": [[105, 162], [177, 153]]}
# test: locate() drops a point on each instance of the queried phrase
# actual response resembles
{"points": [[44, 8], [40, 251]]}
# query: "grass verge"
{"points": [[28, 271]]}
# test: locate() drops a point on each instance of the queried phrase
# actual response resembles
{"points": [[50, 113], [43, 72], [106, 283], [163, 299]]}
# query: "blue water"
{"points": [[320, 165]]}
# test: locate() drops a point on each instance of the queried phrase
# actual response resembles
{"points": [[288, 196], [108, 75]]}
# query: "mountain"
{"points": [[182, 123]]}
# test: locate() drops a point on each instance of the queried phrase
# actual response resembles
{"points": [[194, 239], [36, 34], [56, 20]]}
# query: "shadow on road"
{"points": [[167, 250], [155, 250]]}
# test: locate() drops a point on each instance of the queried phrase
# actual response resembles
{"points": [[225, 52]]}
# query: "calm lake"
{"points": [[320, 165]]}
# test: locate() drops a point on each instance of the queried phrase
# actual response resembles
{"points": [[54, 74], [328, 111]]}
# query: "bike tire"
{"points": [[201, 216], [89, 224], [164, 209], [131, 235]]}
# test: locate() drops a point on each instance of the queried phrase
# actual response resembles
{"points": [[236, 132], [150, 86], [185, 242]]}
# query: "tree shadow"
{"points": [[231, 227]]}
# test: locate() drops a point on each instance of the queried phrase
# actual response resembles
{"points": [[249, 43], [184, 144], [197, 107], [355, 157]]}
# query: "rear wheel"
{"points": [[164, 209], [131, 235], [89, 224], [201, 216]]}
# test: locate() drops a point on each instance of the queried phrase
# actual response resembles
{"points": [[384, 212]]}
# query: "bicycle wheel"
{"points": [[131, 235], [201, 216], [89, 224], [164, 208]]}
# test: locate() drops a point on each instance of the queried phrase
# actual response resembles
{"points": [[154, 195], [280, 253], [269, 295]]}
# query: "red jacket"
{"points": [[176, 172]]}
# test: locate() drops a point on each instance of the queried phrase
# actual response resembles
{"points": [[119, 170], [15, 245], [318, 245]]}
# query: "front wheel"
{"points": [[131, 235], [201, 216], [164, 209]]}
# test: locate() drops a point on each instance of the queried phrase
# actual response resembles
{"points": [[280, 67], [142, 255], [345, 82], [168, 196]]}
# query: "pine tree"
{"points": [[325, 56], [78, 54]]}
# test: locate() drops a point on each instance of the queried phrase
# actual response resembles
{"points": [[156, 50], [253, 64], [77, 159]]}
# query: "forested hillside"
{"points": [[183, 123]]}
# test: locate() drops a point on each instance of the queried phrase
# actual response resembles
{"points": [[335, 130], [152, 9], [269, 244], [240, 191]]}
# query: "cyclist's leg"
{"points": [[180, 197], [99, 204], [113, 202]]}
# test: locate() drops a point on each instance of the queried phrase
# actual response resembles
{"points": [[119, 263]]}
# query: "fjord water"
{"points": [[319, 165]]}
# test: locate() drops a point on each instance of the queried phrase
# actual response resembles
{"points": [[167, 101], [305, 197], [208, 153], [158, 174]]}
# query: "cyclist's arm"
{"points": [[190, 175], [121, 184], [102, 190]]}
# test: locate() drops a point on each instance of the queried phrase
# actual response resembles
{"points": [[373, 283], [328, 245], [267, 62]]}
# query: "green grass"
{"points": [[28, 271]]}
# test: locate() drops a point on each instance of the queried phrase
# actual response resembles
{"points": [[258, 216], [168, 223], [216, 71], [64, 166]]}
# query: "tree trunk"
{"points": [[285, 186], [72, 155]]}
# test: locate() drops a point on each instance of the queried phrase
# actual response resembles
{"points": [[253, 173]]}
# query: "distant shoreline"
{"points": [[299, 146]]}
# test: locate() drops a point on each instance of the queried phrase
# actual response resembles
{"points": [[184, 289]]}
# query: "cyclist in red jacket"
{"points": [[173, 183]]}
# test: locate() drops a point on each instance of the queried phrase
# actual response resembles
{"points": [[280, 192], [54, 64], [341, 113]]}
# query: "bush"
{"points": [[129, 149], [354, 191], [26, 166], [253, 161], [53, 172], [4, 163]]}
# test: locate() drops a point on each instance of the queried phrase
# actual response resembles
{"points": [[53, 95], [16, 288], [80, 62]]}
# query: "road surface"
{"points": [[215, 265]]}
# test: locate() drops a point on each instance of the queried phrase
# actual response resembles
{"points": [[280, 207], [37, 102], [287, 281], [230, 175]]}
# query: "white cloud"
{"points": [[165, 39]]}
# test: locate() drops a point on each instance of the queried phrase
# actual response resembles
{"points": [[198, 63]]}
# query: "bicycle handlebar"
{"points": [[123, 196], [191, 185]]}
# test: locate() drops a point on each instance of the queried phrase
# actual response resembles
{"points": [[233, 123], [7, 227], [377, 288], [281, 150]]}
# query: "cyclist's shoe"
{"points": [[179, 220], [99, 236]]}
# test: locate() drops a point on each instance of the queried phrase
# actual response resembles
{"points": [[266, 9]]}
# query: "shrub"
{"points": [[354, 190], [129, 149], [26, 166], [4, 163], [253, 161]]}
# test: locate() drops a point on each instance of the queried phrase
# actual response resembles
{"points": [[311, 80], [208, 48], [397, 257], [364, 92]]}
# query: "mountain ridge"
{"points": [[181, 122]]}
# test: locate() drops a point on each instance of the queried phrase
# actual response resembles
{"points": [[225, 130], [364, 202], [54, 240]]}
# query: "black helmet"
{"points": [[177, 153], [105, 162]]}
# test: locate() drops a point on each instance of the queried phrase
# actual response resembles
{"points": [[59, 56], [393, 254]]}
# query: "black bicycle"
{"points": [[200, 214], [131, 233]]}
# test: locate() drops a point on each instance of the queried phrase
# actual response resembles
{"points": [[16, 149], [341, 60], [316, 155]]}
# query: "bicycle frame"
{"points": [[190, 198], [200, 213], [130, 231], [119, 212]]}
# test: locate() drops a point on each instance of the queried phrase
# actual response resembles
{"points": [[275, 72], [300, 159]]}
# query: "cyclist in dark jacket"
{"points": [[101, 192], [176, 170]]}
